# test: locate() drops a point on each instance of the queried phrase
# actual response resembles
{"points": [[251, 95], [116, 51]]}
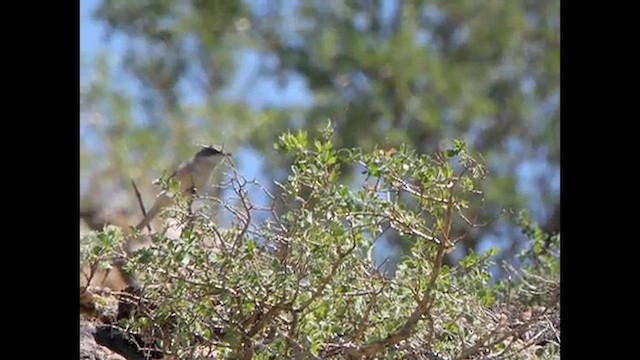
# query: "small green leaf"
{"points": [[373, 169]]}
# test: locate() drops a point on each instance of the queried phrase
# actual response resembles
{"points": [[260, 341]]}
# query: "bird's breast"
{"points": [[202, 175]]}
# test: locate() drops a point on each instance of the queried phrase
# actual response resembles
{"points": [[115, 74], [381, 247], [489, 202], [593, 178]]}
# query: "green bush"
{"points": [[305, 283]]}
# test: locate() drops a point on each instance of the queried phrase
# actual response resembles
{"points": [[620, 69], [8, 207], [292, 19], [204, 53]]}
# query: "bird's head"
{"points": [[211, 151]]}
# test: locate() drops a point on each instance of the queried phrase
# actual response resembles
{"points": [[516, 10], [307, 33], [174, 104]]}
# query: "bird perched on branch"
{"points": [[192, 177]]}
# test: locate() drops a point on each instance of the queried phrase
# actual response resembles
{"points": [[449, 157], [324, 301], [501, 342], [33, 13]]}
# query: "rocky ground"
{"points": [[100, 339]]}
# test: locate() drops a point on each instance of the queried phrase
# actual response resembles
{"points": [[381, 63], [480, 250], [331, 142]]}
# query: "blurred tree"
{"points": [[387, 72], [181, 56], [424, 72]]}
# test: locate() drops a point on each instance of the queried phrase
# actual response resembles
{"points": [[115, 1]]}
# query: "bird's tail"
{"points": [[161, 202]]}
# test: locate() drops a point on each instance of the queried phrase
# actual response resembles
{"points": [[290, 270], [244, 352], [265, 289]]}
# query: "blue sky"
{"points": [[89, 30], [91, 33]]}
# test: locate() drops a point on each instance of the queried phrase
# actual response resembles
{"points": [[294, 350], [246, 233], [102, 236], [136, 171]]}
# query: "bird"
{"points": [[192, 176]]}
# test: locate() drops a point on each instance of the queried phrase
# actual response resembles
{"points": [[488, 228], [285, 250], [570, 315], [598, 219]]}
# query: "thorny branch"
{"points": [[424, 305], [260, 313]]}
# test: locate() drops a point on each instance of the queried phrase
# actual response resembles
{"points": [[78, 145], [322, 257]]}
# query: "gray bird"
{"points": [[192, 176]]}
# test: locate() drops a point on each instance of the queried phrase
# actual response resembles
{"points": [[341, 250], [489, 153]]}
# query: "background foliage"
{"points": [[388, 73]]}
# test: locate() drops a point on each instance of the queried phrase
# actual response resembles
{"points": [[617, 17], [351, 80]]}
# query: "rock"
{"points": [[89, 349], [125, 344]]}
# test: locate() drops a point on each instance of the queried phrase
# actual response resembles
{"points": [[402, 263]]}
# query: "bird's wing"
{"points": [[178, 168]]}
